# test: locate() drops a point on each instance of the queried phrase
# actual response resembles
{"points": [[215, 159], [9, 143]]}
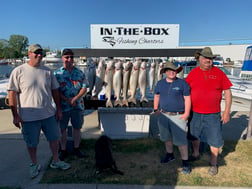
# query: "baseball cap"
{"points": [[67, 51], [34, 47]]}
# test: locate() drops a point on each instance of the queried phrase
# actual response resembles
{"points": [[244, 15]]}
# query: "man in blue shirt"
{"points": [[72, 89]]}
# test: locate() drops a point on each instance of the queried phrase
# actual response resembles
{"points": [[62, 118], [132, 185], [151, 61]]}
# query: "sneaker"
{"points": [[213, 170], [34, 170], [60, 165], [62, 155], [186, 169], [78, 153], [193, 158], [168, 158]]}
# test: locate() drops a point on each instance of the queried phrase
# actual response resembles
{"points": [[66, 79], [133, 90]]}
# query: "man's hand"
{"points": [[184, 117], [225, 117], [155, 111], [17, 121], [58, 115]]}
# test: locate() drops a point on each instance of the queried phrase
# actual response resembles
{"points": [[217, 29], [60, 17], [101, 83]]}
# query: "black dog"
{"points": [[103, 156]]}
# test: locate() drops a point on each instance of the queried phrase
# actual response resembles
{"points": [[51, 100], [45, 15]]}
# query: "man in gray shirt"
{"points": [[31, 89]]}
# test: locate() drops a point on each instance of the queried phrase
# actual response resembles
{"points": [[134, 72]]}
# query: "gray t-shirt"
{"points": [[34, 87]]}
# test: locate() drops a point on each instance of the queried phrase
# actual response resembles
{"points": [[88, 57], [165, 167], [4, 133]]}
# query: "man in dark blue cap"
{"points": [[73, 87]]}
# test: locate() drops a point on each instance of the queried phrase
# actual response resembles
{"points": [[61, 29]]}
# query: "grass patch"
{"points": [[139, 160]]}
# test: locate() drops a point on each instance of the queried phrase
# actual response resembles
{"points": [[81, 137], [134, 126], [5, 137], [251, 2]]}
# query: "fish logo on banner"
{"points": [[110, 40]]}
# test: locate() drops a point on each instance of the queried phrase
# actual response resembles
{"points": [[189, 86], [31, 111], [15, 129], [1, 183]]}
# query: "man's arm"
{"points": [[81, 93], [156, 101], [13, 105], [56, 98], [228, 101], [187, 107], [156, 104]]}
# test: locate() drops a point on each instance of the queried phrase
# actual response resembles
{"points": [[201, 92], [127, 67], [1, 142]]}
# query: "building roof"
{"points": [[135, 52]]}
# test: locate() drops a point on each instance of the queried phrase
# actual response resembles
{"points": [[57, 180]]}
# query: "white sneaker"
{"points": [[60, 165], [34, 170]]}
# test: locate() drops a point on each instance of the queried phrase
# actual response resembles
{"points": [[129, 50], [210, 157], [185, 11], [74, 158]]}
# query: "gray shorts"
{"points": [[31, 131], [172, 128], [76, 117]]}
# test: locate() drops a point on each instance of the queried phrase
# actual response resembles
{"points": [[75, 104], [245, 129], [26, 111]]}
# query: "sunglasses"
{"points": [[38, 52], [67, 57]]}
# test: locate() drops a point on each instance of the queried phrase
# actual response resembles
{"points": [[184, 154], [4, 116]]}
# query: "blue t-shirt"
{"points": [[172, 94]]}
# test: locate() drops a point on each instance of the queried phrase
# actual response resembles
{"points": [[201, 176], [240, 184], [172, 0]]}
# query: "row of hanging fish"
{"points": [[122, 78]]}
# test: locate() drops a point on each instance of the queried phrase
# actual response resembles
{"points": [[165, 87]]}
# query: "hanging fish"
{"points": [[109, 82], [117, 82], [100, 75], [91, 75], [142, 81], [152, 75], [134, 81], [159, 75], [126, 76]]}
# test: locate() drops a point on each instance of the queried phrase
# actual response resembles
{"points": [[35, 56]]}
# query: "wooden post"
{"points": [[249, 130]]}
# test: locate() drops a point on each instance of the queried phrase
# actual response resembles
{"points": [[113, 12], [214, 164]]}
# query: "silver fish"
{"points": [[117, 82], [100, 75], [152, 75], [159, 75], [109, 82], [134, 81], [126, 75], [91, 75], [142, 81]]}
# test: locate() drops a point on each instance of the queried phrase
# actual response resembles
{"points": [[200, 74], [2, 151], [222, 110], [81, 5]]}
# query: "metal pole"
{"points": [[249, 124]]}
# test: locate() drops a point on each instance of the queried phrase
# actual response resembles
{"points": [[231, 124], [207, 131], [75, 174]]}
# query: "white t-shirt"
{"points": [[34, 87]]}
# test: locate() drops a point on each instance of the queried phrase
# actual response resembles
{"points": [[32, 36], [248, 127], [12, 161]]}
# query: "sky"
{"points": [[66, 23]]}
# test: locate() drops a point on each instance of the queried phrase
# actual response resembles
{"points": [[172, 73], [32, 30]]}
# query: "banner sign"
{"points": [[134, 36]]}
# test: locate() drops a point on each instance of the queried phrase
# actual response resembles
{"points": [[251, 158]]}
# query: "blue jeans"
{"points": [[207, 128]]}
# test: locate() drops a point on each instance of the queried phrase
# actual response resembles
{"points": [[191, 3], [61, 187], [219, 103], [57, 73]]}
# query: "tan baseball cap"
{"points": [[34, 47]]}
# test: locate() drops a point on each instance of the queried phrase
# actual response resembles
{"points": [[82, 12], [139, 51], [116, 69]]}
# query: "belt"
{"points": [[172, 113]]}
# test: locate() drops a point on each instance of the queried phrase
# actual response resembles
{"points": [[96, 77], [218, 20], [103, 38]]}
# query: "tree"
{"points": [[3, 44], [18, 45]]}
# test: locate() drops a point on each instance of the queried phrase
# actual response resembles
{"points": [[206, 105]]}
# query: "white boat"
{"points": [[241, 88], [3, 62], [51, 58], [219, 61], [3, 87], [246, 70], [26, 59], [237, 64], [82, 61]]}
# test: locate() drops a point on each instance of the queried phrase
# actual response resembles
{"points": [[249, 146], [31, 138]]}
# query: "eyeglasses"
{"points": [[38, 52], [67, 57]]}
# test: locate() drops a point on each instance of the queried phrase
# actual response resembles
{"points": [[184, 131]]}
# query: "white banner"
{"points": [[134, 36]]}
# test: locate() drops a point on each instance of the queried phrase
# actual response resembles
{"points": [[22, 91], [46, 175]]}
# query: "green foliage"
{"points": [[18, 45], [15, 47]]}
